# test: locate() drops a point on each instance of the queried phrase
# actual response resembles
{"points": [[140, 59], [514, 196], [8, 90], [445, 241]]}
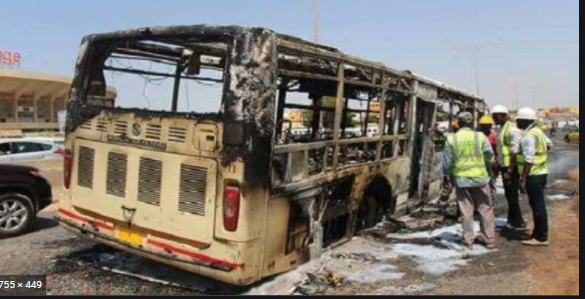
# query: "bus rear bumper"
{"points": [[231, 274]]}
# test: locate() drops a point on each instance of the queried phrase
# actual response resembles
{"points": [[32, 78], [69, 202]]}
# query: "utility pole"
{"points": [[476, 51]]}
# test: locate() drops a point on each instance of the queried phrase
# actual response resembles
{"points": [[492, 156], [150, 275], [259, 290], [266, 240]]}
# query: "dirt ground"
{"points": [[555, 270]]}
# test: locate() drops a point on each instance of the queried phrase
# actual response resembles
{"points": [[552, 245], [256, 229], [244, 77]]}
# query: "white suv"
{"points": [[29, 150]]}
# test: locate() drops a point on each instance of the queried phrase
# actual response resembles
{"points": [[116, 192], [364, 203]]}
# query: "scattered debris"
{"points": [[416, 222], [558, 197], [501, 222], [287, 283], [127, 264], [377, 273], [442, 251], [408, 290], [560, 182], [335, 280]]}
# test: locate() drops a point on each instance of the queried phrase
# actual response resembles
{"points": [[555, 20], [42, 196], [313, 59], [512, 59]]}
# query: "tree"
{"points": [[329, 102]]}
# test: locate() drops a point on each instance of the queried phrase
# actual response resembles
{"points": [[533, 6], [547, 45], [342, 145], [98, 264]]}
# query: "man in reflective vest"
{"points": [[466, 159], [533, 170], [507, 143]]}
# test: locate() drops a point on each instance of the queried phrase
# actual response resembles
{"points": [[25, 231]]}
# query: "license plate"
{"points": [[129, 236]]}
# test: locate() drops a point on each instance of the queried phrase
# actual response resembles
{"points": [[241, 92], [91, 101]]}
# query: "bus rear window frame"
{"points": [[107, 48]]}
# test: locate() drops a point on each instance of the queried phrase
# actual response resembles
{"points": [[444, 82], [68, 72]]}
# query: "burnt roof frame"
{"points": [[228, 32]]}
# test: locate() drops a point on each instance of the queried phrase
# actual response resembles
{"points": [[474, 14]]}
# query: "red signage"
{"points": [[9, 58]]}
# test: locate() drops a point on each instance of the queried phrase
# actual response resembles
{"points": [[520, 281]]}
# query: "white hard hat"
{"points": [[499, 109], [527, 114]]}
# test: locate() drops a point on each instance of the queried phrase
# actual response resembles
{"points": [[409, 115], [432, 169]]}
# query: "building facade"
{"points": [[30, 102]]}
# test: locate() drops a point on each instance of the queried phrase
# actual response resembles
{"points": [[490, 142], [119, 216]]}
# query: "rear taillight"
{"points": [[231, 208], [59, 151], [67, 165]]}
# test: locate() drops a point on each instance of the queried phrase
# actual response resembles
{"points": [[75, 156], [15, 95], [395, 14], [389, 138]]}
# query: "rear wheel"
{"points": [[16, 214]]}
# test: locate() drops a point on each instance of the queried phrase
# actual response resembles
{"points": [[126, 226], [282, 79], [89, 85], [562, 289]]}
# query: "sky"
{"points": [[538, 39]]}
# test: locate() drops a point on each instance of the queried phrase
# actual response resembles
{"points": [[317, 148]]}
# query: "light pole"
{"points": [[315, 21], [533, 95], [475, 51]]}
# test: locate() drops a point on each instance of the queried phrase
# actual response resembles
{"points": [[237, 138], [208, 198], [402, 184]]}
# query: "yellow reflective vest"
{"points": [[540, 152], [467, 148], [504, 144]]}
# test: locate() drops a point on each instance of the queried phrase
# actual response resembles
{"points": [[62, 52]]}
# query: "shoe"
{"points": [[487, 245], [490, 246], [535, 242], [516, 228]]}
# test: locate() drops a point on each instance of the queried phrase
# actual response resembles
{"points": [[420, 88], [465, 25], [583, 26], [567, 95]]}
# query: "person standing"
{"points": [[507, 144], [466, 158], [553, 129], [486, 124], [533, 170]]}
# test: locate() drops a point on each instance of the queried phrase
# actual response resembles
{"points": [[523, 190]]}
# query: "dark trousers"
{"points": [[535, 186], [512, 191]]}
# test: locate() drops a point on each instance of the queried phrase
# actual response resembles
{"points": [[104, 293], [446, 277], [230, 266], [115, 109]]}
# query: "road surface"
{"points": [[408, 263]]}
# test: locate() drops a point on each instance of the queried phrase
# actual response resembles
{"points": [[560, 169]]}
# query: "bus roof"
{"points": [[283, 40]]}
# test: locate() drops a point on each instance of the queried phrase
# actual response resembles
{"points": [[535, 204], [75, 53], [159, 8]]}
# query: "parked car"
{"points": [[28, 150], [24, 192], [572, 136], [54, 140]]}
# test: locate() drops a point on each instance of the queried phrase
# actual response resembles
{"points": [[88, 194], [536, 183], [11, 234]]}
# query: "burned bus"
{"points": [[228, 194]]}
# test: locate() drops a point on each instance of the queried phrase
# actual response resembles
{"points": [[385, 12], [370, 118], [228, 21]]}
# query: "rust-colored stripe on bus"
{"points": [[194, 255], [146, 231], [97, 223]]}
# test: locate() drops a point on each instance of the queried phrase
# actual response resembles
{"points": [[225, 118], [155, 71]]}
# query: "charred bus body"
{"points": [[229, 194]]}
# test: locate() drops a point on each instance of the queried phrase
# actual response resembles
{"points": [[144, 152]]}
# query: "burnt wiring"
{"points": [[146, 81], [150, 79]]}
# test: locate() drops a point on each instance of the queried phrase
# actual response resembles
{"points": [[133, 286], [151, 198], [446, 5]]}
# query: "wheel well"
{"points": [[381, 189]]}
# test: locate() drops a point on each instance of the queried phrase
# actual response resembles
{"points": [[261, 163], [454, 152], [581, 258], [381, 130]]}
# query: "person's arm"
{"points": [[447, 159], [516, 137], [529, 152], [493, 142], [447, 164], [488, 152], [549, 143]]}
